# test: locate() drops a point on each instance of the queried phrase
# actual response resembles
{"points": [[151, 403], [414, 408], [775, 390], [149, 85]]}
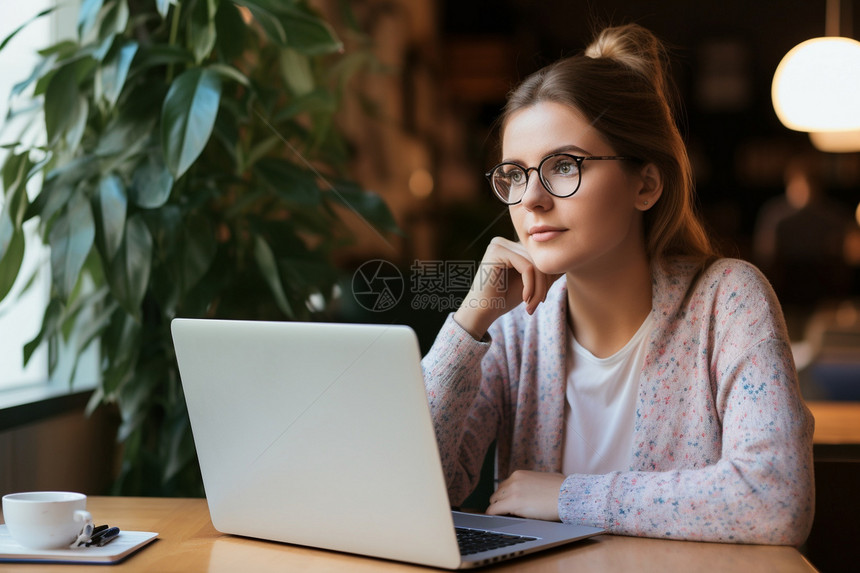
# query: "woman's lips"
{"points": [[541, 233]]}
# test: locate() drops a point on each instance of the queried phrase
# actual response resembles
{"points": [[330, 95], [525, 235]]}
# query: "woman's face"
{"points": [[597, 227]]}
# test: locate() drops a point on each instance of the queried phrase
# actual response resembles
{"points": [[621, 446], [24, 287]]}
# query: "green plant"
{"points": [[192, 166]]}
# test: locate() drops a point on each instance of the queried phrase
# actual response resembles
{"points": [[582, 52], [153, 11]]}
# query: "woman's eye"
{"points": [[565, 168], [515, 176]]}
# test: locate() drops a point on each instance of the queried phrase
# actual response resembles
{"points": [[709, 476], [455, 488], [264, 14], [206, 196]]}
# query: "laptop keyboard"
{"points": [[477, 540]]}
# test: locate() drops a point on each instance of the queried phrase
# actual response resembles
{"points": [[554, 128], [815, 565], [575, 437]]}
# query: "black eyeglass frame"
{"points": [[578, 159]]}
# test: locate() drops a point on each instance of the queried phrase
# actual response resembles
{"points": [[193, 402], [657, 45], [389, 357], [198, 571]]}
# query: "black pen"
{"points": [[103, 537]]}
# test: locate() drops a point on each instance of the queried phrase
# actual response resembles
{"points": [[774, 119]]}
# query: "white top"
{"points": [[600, 405]]}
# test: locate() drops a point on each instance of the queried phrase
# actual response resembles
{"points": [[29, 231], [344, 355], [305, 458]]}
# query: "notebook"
{"points": [[126, 543], [320, 435]]}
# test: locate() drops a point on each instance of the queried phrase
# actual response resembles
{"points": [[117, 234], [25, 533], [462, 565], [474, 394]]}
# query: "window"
{"points": [[21, 316]]}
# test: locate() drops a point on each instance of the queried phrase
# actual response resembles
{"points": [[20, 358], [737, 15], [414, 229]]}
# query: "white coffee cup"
{"points": [[47, 519]]}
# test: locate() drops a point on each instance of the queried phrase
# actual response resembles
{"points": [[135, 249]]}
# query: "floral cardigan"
{"points": [[722, 447]]}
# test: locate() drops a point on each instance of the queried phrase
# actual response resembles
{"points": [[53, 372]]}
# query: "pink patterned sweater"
{"points": [[722, 447]]}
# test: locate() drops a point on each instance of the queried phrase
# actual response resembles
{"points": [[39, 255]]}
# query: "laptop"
{"points": [[320, 435]]}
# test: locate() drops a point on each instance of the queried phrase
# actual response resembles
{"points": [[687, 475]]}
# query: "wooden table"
{"points": [[837, 430], [187, 542], [836, 422]]}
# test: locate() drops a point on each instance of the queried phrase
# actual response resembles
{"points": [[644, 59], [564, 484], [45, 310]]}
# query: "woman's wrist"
{"points": [[472, 322]]}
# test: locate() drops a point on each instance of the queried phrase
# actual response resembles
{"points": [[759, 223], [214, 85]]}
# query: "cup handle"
{"points": [[82, 516]]}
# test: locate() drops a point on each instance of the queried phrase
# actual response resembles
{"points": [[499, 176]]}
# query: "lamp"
{"points": [[836, 141], [816, 85]]}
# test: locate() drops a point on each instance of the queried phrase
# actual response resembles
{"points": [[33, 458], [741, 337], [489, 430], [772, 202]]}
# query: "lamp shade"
{"points": [[816, 86], [836, 141]]}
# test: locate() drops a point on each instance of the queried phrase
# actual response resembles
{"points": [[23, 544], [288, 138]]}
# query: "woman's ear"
{"points": [[652, 187]]}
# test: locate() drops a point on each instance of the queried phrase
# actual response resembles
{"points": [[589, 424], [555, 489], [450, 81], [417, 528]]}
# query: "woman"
{"points": [[630, 378]]}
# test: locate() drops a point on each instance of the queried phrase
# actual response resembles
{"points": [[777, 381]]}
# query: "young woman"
{"points": [[630, 378]]}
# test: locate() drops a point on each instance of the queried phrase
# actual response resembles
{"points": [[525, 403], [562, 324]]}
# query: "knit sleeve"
{"points": [[462, 378]]}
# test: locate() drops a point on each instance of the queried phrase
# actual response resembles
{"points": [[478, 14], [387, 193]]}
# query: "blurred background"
{"points": [[766, 193]]}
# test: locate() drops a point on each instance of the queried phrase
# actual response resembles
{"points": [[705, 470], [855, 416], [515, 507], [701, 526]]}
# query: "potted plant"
{"points": [[192, 166]]}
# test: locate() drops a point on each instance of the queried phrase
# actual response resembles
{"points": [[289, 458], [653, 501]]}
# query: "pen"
{"points": [[104, 537]]}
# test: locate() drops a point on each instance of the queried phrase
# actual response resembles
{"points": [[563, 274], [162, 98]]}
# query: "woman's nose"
{"points": [[536, 195]]}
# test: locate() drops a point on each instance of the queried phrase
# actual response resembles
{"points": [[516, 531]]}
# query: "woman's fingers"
{"points": [[528, 494], [535, 283], [513, 277]]}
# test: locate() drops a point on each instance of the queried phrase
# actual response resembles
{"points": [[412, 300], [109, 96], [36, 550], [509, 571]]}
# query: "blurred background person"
{"points": [[799, 243]]}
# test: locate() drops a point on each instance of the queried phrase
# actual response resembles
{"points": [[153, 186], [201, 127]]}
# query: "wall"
{"points": [[67, 451]]}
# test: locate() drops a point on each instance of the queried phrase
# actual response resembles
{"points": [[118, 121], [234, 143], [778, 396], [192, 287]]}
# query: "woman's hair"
{"points": [[621, 85]]}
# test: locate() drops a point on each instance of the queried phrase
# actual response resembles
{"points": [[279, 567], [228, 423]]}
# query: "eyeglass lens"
{"points": [[558, 173]]}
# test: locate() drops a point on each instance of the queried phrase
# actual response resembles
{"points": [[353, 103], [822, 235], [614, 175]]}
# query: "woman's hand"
{"points": [[528, 494], [506, 276]]}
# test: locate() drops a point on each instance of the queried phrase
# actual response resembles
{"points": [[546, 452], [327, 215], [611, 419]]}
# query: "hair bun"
{"points": [[634, 47]]}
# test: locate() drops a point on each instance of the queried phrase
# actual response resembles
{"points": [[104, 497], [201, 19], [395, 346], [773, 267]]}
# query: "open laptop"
{"points": [[320, 435]]}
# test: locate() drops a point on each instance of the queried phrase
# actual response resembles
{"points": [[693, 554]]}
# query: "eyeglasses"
{"points": [[560, 173]]}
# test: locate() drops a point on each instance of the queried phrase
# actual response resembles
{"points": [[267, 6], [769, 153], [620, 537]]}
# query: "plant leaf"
{"points": [[291, 183], [83, 305], [291, 25], [269, 268], [180, 444], [61, 95], [296, 71], [15, 173], [133, 395], [49, 201], [151, 182], [120, 347], [113, 203], [64, 49], [14, 32], [307, 32], [111, 76], [230, 32], [260, 150], [50, 327], [163, 7], [10, 262], [198, 249], [78, 116], [268, 22], [130, 269], [39, 71], [203, 34], [159, 55], [101, 51], [125, 135], [92, 329], [17, 170], [71, 239], [114, 20], [7, 229], [58, 185], [57, 189], [317, 101], [366, 204], [68, 53], [188, 116], [230, 73], [87, 16]]}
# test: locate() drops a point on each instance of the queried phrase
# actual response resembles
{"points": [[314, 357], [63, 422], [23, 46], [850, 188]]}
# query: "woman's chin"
{"points": [[550, 266]]}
